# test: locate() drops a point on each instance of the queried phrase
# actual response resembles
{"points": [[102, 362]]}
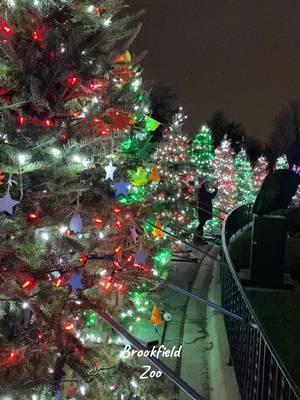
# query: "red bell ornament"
{"points": [[96, 85], [119, 120], [102, 128], [124, 73], [3, 91]]}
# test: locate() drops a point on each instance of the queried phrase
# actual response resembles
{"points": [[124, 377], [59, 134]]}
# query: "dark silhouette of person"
{"points": [[204, 208]]}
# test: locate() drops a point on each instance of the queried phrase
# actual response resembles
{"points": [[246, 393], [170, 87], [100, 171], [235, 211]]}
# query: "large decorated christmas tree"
{"points": [[72, 203]]}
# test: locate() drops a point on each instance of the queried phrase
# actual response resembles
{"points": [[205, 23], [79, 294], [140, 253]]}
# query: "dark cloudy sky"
{"points": [[241, 56]]}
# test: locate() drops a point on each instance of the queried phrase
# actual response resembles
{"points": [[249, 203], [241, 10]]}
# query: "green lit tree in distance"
{"points": [[202, 153], [282, 163], [244, 185]]}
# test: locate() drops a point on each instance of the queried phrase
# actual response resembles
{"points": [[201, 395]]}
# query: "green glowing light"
{"points": [[162, 258], [135, 195]]}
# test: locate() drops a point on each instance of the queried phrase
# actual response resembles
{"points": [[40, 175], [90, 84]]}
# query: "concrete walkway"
{"points": [[196, 341], [205, 346], [221, 376]]}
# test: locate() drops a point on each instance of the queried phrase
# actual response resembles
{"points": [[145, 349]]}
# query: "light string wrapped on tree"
{"points": [[172, 189], [244, 185], [225, 181], [201, 153]]}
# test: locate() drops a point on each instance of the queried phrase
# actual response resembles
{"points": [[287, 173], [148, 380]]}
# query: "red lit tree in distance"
{"points": [[173, 192], [260, 171], [70, 97]]}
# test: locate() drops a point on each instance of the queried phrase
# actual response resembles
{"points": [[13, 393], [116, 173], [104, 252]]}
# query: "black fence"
{"points": [[260, 373]]}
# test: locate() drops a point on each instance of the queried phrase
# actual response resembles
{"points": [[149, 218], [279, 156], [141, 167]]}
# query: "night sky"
{"points": [[240, 56]]}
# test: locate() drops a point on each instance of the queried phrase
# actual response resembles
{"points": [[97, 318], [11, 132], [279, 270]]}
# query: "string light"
{"points": [[106, 22], [82, 390], [22, 158], [45, 236], [245, 189], [63, 229], [56, 152], [25, 305]]}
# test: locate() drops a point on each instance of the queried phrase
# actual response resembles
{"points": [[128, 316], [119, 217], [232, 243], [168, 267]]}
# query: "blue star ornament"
{"points": [[141, 256], [121, 188], [7, 204], [76, 281]]}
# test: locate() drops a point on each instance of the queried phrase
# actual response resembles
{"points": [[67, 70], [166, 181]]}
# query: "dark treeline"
{"points": [[284, 138]]}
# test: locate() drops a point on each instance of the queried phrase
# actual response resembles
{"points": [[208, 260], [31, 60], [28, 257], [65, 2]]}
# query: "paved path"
{"points": [[196, 341], [188, 326]]}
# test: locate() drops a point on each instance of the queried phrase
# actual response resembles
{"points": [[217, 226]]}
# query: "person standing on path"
{"points": [[204, 209]]}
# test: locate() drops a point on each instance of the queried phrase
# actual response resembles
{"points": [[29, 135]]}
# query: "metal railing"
{"points": [[259, 370]]}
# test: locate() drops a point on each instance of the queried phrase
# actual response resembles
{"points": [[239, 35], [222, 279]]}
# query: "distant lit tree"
{"points": [[245, 189]]}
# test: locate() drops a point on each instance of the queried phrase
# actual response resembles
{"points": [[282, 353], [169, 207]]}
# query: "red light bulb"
{"points": [[32, 217], [48, 122], [72, 80], [38, 36], [27, 284], [59, 282], [98, 221], [108, 285], [69, 233], [69, 327], [6, 29], [118, 224], [63, 137], [20, 120], [83, 259], [116, 210]]}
